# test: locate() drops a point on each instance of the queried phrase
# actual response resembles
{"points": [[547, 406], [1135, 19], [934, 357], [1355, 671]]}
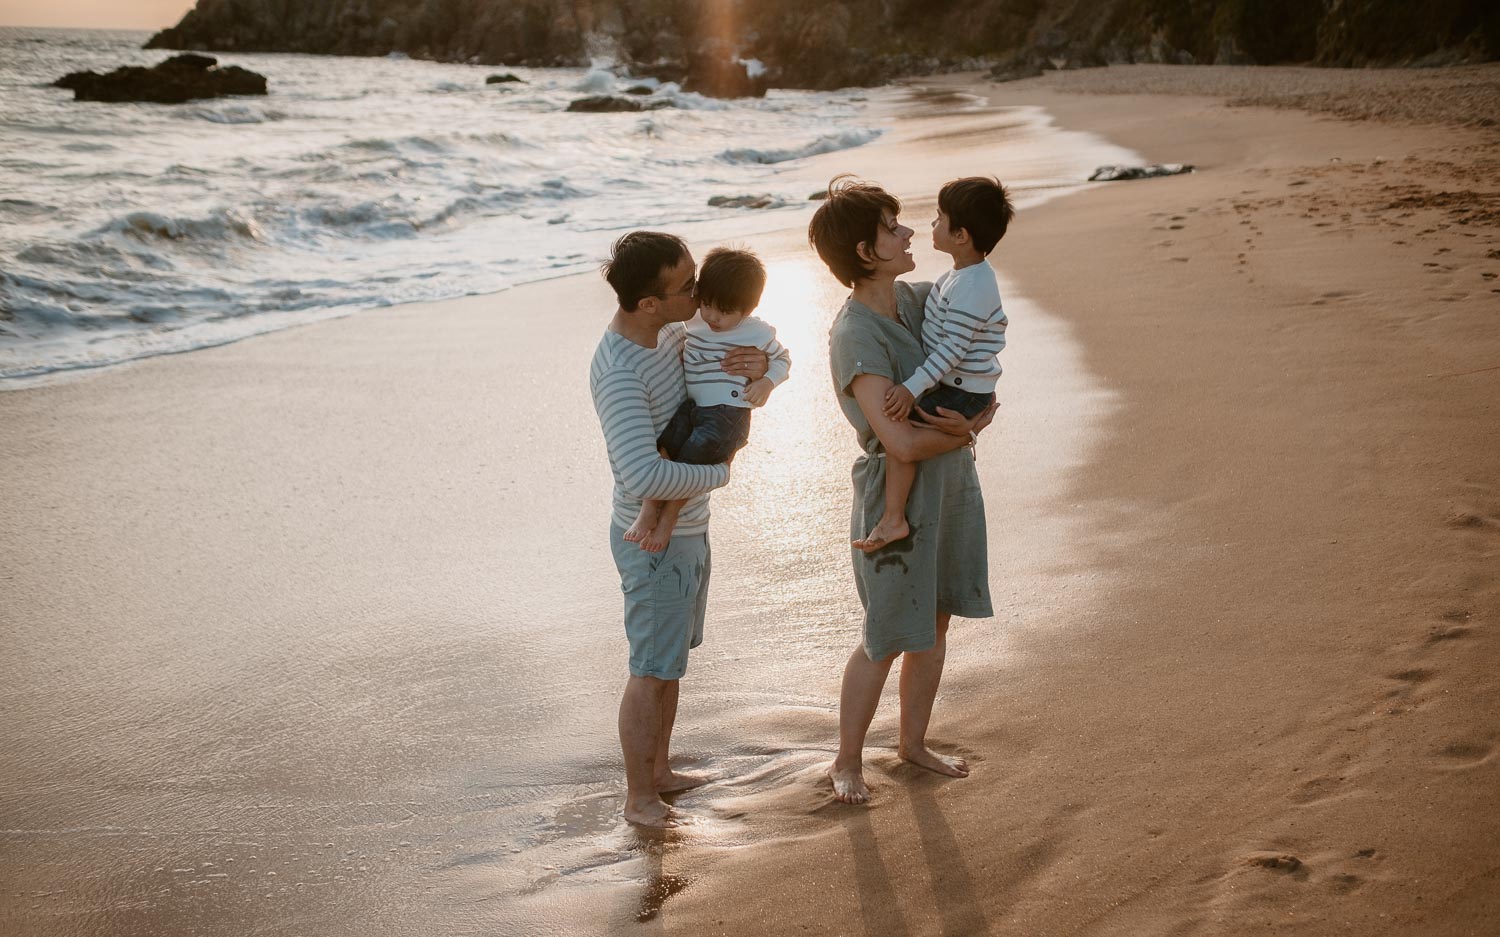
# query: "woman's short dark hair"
{"points": [[850, 216], [638, 263], [980, 206], [731, 280]]}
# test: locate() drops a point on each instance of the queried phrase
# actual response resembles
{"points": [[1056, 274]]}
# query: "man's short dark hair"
{"points": [[638, 263], [731, 280], [980, 206], [849, 217]]}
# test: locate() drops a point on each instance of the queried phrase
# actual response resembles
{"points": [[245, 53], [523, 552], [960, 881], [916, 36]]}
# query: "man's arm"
{"points": [[625, 417]]}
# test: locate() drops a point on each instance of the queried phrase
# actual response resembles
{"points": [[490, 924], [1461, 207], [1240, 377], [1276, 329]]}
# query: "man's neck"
{"points": [[637, 327]]}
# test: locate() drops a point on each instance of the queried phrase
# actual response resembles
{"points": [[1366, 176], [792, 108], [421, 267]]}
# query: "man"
{"points": [[637, 382]]}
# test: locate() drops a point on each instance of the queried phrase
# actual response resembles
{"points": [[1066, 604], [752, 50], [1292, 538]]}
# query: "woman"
{"points": [[909, 588]]}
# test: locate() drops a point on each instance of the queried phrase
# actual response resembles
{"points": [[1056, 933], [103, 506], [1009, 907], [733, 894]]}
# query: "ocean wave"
{"points": [[225, 224], [397, 145], [231, 114], [828, 143]]}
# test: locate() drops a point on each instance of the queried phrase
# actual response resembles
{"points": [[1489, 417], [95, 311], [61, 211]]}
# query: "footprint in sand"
{"points": [[1463, 755], [1282, 862], [1446, 633], [1310, 792], [1414, 675]]}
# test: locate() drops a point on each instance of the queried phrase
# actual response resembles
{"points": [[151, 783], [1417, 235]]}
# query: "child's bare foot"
{"points": [[639, 529], [677, 781], [886, 532], [651, 811], [848, 784], [922, 756], [656, 540]]}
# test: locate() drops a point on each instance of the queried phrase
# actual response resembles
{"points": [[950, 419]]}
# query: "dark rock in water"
{"points": [[608, 103], [639, 89], [503, 78], [1120, 173], [191, 60], [819, 196], [746, 201], [180, 78]]}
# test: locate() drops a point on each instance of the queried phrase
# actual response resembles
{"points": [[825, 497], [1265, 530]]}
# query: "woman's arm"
{"points": [[912, 442]]}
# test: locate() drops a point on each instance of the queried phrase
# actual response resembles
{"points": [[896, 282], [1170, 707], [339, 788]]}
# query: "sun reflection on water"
{"points": [[791, 484]]}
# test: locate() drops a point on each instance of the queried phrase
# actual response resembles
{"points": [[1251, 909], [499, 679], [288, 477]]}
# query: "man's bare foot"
{"points": [[848, 784], [657, 540], [651, 811], [677, 781], [924, 757], [887, 531]]}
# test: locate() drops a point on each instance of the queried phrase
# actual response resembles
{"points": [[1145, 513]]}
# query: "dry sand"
{"points": [[1283, 713], [1243, 676]]}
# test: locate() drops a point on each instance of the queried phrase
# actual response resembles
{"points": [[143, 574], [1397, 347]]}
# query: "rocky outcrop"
{"points": [[178, 79], [718, 46]]}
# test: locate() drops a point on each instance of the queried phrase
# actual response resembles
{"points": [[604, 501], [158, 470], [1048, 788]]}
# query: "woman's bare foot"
{"points": [[677, 781], [885, 532], [924, 757], [651, 811], [848, 784]]}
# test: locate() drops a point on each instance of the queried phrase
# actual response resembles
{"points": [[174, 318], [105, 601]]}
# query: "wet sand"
{"points": [[275, 611], [1262, 695]]}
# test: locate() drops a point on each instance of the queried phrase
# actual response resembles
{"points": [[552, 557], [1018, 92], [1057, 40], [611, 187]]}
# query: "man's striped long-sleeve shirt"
{"points": [[636, 390], [963, 329]]}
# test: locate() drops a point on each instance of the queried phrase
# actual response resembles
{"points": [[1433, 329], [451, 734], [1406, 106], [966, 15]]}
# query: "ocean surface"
{"points": [[129, 230]]}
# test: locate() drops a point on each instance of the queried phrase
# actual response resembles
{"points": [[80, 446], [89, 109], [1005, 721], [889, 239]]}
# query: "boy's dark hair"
{"points": [[849, 217], [637, 264], [980, 206], [731, 280]]}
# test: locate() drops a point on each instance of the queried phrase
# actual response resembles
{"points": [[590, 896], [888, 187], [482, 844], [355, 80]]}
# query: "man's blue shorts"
{"points": [[666, 595]]}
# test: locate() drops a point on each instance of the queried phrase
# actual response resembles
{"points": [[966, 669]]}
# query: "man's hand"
{"points": [[757, 392], [746, 361], [898, 402]]}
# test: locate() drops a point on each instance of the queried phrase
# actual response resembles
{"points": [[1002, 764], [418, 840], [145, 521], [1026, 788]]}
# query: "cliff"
{"points": [[852, 42]]}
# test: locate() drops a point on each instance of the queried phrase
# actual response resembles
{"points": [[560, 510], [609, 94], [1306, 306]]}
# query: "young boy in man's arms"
{"points": [[714, 422], [963, 330]]}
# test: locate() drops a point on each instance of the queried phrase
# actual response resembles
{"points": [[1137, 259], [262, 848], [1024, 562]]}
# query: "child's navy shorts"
{"points": [[705, 435], [951, 398]]}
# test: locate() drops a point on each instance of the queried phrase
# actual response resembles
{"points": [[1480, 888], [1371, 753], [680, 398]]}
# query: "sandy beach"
{"points": [[266, 604]]}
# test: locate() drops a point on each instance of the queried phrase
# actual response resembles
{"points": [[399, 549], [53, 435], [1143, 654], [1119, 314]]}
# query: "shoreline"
{"points": [[1249, 685]]}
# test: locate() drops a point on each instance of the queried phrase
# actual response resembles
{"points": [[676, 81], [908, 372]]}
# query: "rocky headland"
{"points": [[740, 47]]}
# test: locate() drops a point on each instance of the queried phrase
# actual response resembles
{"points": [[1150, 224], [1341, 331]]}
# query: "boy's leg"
{"points": [[892, 525], [669, 444], [718, 432]]}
